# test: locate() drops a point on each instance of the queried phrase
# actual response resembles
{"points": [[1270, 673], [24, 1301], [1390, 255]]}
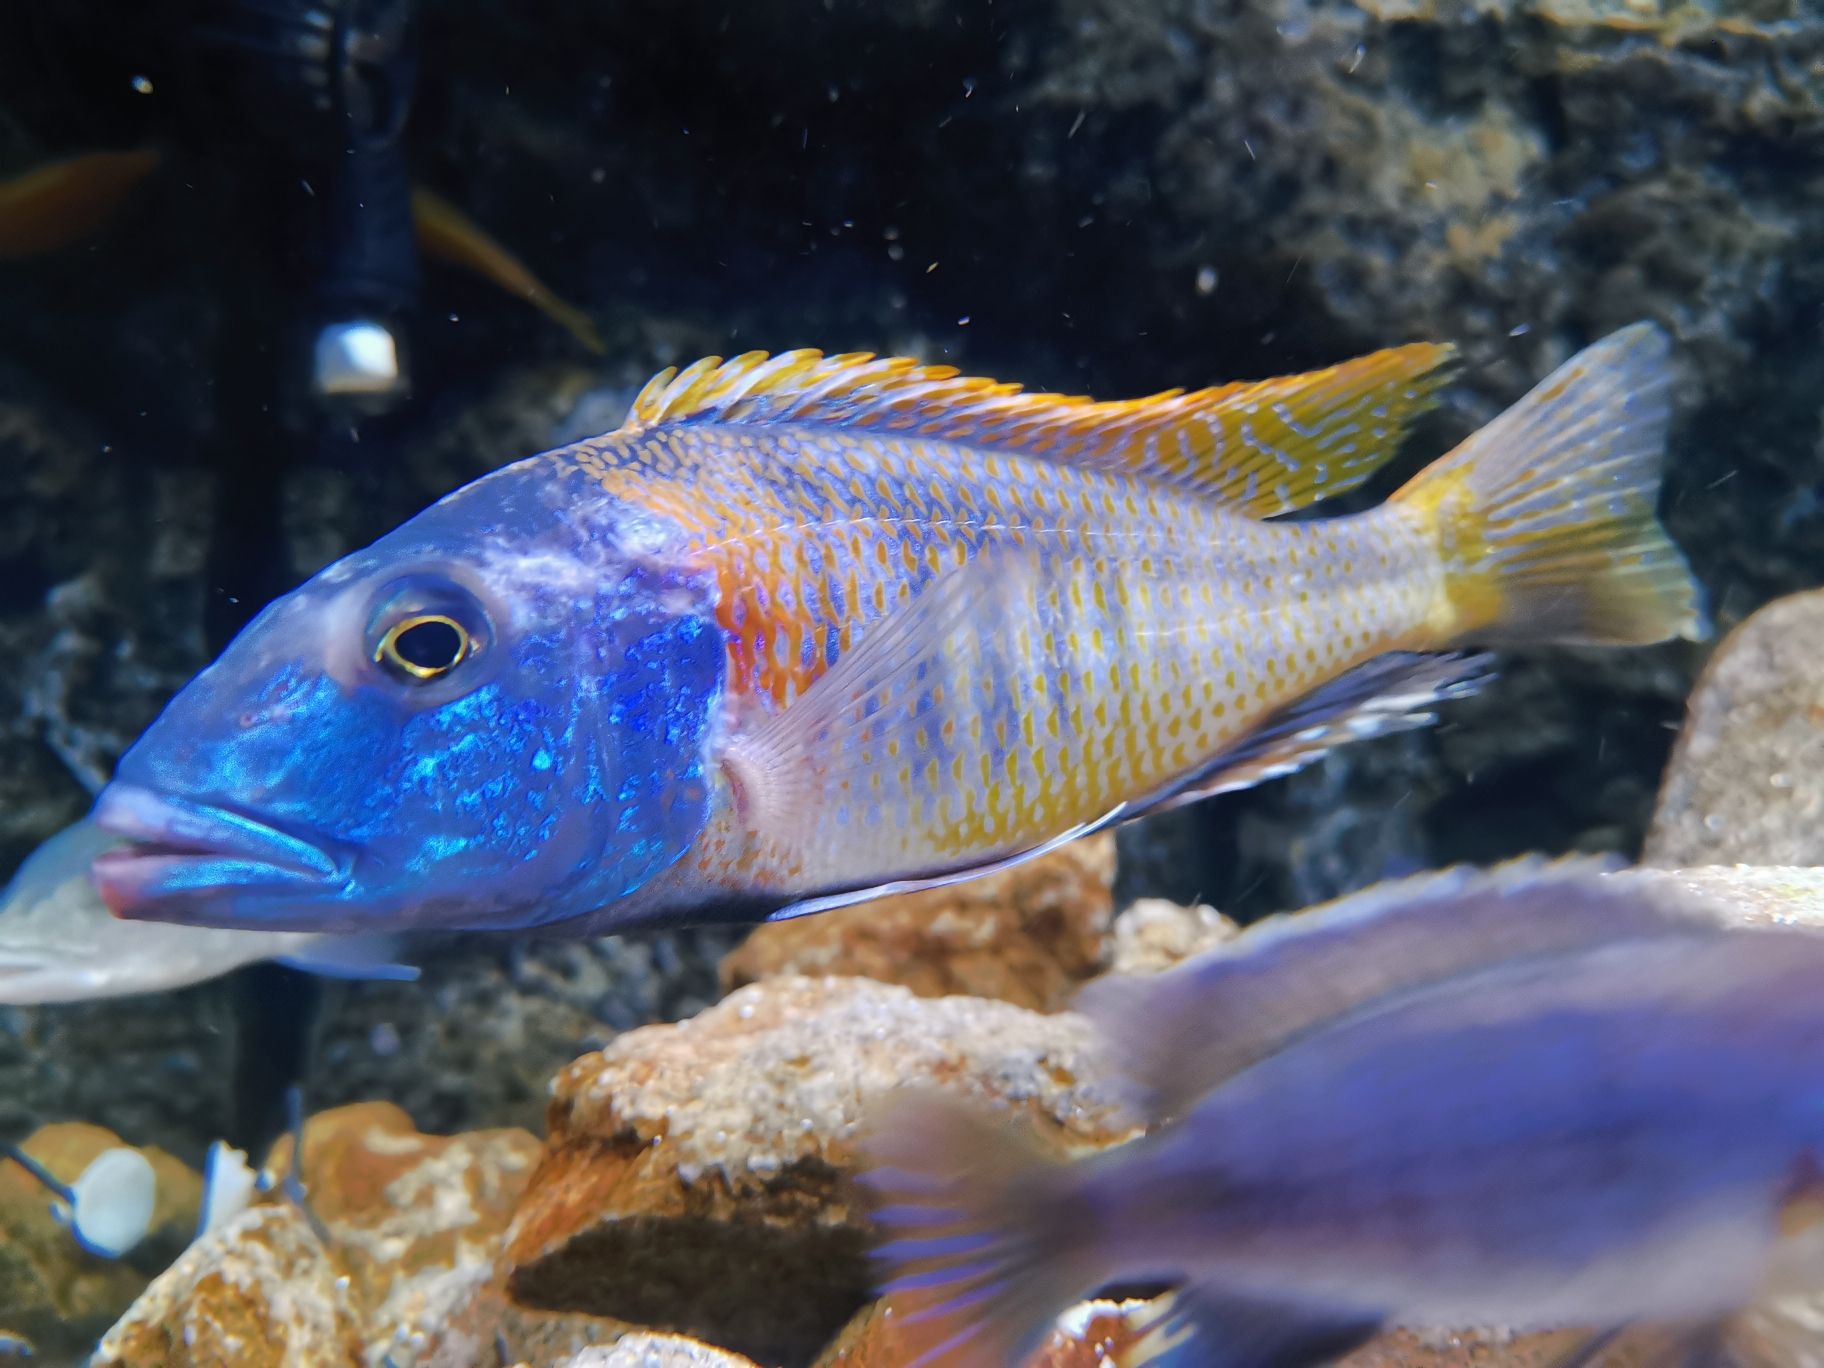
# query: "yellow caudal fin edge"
{"points": [[1545, 518], [1261, 448]]}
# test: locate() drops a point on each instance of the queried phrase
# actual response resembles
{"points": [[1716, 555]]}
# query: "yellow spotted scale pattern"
{"points": [[963, 621]]}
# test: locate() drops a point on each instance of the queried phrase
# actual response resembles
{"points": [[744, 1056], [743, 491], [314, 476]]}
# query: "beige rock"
{"points": [[1154, 934], [656, 1351], [259, 1291], [1751, 895], [481, 1324], [1027, 935], [695, 1178], [1093, 1334], [1746, 780], [53, 1293], [408, 1214]]}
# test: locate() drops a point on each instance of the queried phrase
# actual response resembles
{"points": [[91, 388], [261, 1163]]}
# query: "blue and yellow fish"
{"points": [[1537, 1097], [806, 629]]}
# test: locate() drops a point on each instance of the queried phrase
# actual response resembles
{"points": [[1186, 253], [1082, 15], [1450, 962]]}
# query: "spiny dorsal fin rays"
{"points": [[1263, 448]]}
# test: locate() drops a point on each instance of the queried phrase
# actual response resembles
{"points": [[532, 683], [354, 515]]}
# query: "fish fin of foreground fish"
{"points": [[62, 202], [1391, 693], [1175, 1035], [1260, 448], [987, 1241], [990, 1236], [1544, 519]]}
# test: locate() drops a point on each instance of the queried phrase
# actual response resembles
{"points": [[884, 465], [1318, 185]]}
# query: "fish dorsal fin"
{"points": [[1176, 1035], [1263, 448]]}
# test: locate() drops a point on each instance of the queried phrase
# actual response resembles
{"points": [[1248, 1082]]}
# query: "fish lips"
{"points": [[194, 862]]}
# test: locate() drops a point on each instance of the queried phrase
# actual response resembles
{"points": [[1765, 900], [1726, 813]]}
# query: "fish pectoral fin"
{"points": [[357, 957], [1207, 1327], [1260, 448], [816, 783], [1175, 1035], [1390, 693]]}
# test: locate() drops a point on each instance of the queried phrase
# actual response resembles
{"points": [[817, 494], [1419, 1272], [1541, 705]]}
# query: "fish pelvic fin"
{"points": [[1545, 518], [1261, 448], [988, 1238]]}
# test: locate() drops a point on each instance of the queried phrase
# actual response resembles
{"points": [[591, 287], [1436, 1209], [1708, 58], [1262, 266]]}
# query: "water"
{"points": [[1101, 196]]}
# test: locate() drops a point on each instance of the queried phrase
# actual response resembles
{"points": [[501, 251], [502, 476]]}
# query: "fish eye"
{"points": [[424, 646], [424, 627]]}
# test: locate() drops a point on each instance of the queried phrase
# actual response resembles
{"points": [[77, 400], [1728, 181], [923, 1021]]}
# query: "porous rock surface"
{"points": [[261, 1291], [1028, 935], [696, 1176], [400, 1224], [1746, 780]]}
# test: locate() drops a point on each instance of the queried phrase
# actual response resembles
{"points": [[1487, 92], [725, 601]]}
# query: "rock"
{"points": [[1746, 781], [51, 1291], [1154, 934], [1092, 1334], [1474, 1349], [1028, 935], [655, 1351], [409, 1225], [1748, 894], [479, 1322], [407, 1212], [259, 1292], [694, 1178]]}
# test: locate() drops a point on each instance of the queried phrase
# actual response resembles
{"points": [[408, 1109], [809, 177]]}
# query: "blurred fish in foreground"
{"points": [[59, 943], [1540, 1098], [809, 629]]}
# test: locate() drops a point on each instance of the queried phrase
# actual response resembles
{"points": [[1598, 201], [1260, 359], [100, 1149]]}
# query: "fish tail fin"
{"points": [[1545, 517], [988, 1239]]}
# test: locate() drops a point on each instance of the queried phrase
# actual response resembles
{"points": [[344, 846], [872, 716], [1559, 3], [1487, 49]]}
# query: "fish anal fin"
{"points": [[1261, 448], [1390, 693], [1175, 1035]]}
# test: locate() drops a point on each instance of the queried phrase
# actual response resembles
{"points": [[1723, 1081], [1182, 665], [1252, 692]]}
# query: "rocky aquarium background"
{"points": [[1106, 196]]}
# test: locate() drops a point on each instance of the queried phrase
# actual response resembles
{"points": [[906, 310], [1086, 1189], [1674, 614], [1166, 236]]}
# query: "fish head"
{"points": [[488, 719]]}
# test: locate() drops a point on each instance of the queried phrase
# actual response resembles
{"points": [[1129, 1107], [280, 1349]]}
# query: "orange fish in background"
{"points": [[807, 629], [63, 202]]}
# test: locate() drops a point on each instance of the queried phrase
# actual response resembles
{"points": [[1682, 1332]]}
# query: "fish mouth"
{"points": [[186, 857]]}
